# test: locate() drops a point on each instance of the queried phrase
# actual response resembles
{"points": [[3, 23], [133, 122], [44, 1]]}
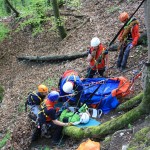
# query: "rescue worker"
{"points": [[35, 99], [70, 83], [97, 58], [47, 115], [128, 39]]}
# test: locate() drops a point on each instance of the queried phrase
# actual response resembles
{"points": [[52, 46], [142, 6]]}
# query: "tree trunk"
{"points": [[11, 7], [146, 73], [7, 8], [48, 2], [58, 20], [52, 58], [131, 103]]}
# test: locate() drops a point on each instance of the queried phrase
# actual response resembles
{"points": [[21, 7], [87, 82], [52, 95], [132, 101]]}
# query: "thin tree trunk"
{"points": [[48, 2], [7, 8], [13, 9], [58, 20], [146, 73]]}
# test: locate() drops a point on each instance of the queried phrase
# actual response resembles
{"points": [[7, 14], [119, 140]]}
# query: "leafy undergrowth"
{"points": [[19, 78]]}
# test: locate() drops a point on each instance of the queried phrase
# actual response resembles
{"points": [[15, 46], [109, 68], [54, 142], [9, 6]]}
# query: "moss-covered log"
{"points": [[130, 103], [107, 128]]}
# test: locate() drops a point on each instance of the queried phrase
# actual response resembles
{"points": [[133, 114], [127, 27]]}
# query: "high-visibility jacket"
{"points": [[46, 106], [101, 52], [133, 34]]}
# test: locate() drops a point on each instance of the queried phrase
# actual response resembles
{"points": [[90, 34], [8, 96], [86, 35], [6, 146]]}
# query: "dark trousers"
{"points": [[91, 73], [123, 56], [56, 133]]}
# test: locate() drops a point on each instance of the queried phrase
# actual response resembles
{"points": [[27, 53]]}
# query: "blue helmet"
{"points": [[53, 96]]}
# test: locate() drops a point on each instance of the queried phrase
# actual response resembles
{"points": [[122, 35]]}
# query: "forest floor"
{"points": [[20, 77]]}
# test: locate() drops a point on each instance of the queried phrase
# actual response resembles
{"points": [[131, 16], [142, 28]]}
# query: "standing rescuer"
{"points": [[128, 39], [36, 98], [97, 58], [47, 115]]}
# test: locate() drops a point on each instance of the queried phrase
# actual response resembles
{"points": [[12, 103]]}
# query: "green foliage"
{"points": [[33, 13], [130, 126], [51, 82], [21, 107], [4, 30], [140, 139], [5, 139], [113, 9], [3, 12], [73, 3], [35, 16], [1, 93], [47, 148]]}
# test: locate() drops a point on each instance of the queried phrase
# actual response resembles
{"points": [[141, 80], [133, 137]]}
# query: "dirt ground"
{"points": [[20, 77]]}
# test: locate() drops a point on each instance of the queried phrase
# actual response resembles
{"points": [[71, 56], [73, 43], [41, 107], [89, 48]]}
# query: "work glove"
{"points": [[130, 46]]}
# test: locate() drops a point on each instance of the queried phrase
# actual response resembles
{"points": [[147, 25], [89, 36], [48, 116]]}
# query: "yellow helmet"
{"points": [[42, 88]]}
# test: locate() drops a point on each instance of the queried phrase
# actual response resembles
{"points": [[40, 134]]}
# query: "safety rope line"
{"points": [[125, 23]]}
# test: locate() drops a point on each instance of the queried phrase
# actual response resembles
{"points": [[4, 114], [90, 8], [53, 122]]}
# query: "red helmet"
{"points": [[123, 16]]}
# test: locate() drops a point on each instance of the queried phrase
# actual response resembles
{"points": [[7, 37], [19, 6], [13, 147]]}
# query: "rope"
{"points": [[125, 23]]}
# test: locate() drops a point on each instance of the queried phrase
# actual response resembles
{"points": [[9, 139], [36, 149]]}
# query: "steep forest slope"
{"points": [[19, 77]]}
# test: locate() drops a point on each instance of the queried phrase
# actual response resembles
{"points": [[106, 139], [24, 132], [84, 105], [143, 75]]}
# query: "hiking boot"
{"points": [[122, 69], [36, 135]]}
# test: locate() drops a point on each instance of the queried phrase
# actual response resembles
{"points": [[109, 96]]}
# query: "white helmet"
{"points": [[95, 42], [68, 87], [84, 118]]}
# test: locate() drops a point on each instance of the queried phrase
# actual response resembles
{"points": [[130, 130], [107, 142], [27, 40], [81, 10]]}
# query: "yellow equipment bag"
{"points": [[89, 145]]}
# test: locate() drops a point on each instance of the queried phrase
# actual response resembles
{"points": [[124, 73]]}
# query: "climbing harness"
{"points": [[125, 24]]}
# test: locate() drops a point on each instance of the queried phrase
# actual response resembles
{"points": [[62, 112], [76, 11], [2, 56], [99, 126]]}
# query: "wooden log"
{"points": [[52, 58]]}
